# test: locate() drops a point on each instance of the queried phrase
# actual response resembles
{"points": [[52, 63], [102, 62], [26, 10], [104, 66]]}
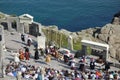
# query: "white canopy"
{"points": [[96, 45]]}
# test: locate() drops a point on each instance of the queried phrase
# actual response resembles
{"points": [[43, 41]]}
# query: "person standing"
{"points": [[56, 55], [107, 66], [92, 64], [36, 55], [29, 41], [47, 50], [48, 58], [41, 74], [82, 65], [27, 53], [23, 37], [39, 77], [66, 58], [42, 53], [73, 64]]}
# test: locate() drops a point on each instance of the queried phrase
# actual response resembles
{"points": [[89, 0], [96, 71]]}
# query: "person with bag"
{"points": [[29, 41], [23, 37]]}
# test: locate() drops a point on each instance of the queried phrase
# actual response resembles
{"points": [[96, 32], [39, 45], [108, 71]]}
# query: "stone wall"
{"points": [[32, 29]]}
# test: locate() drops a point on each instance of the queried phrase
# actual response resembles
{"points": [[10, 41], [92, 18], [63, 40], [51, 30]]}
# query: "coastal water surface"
{"points": [[73, 15]]}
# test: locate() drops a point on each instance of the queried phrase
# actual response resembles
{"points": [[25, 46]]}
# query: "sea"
{"points": [[73, 15]]}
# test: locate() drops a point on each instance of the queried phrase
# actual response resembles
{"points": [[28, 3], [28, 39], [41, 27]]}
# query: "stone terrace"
{"points": [[13, 42]]}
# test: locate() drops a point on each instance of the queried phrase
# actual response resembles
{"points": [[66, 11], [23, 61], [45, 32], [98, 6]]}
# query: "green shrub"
{"points": [[60, 39], [89, 50]]}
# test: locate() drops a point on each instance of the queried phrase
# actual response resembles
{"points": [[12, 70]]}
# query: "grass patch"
{"points": [[64, 41], [77, 46], [89, 50]]}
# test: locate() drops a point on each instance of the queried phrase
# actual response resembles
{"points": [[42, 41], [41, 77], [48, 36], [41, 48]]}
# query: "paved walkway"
{"points": [[13, 40]]}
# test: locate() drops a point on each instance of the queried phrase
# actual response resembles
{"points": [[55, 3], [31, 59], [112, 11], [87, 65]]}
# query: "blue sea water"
{"points": [[73, 15]]}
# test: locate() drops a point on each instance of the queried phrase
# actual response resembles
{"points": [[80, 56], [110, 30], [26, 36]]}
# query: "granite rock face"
{"points": [[116, 19], [110, 34], [107, 34]]}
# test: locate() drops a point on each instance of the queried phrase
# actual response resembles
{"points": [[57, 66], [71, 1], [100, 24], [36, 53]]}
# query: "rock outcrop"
{"points": [[116, 19], [110, 34]]}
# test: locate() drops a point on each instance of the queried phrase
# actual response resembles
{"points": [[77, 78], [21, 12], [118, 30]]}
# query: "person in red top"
{"points": [[27, 53]]}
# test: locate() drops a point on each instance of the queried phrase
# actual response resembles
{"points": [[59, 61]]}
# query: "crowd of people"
{"points": [[26, 71], [78, 70]]}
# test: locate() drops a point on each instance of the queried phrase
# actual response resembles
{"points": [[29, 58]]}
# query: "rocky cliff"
{"points": [[107, 34], [110, 35]]}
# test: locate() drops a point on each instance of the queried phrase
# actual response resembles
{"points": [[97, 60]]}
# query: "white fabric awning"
{"points": [[95, 45]]}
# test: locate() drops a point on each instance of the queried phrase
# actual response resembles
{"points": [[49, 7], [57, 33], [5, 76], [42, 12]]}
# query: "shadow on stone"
{"points": [[11, 59], [65, 66], [35, 44], [40, 62], [18, 42]]}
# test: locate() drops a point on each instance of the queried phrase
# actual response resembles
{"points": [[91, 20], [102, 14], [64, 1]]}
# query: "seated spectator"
{"points": [[66, 58], [27, 76], [73, 66], [93, 76], [10, 73]]}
